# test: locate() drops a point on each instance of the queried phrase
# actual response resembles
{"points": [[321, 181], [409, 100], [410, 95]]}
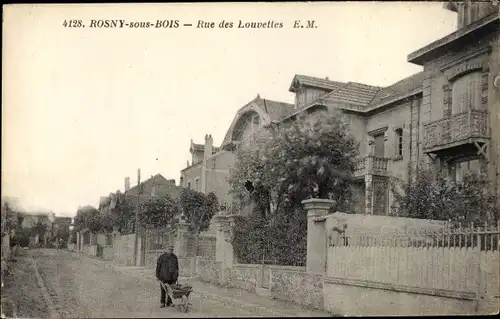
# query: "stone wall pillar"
{"points": [[317, 209], [224, 249], [78, 241], [181, 244]]}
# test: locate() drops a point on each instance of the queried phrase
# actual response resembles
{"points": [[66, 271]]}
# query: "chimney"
{"points": [[209, 142], [127, 183]]}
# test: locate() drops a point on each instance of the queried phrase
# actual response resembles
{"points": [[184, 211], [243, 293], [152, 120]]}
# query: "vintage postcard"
{"points": [[250, 159]]}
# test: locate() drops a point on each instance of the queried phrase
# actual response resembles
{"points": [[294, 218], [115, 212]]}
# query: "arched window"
{"points": [[466, 93]]}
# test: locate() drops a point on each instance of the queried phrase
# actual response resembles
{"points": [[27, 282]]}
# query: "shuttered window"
{"points": [[466, 93]]}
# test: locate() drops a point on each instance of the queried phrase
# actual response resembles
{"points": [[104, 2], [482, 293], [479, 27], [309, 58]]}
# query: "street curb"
{"points": [[53, 313]]}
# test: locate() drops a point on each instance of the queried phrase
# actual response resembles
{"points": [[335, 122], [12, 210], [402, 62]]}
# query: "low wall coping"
{"points": [[247, 265], [289, 268], [400, 288]]}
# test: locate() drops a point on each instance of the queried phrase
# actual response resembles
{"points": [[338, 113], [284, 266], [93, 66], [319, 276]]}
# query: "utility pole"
{"points": [[136, 243]]}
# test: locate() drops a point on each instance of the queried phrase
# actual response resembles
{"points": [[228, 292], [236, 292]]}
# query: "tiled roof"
{"points": [[353, 93], [158, 180], [201, 148], [363, 97], [314, 82], [276, 110], [404, 86]]}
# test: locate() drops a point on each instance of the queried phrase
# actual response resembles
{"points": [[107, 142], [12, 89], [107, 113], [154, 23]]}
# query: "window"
{"points": [[399, 142], [189, 185], [197, 184], [466, 93], [379, 141]]}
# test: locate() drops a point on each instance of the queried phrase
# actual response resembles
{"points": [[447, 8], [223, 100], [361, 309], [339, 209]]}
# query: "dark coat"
{"points": [[167, 267]]}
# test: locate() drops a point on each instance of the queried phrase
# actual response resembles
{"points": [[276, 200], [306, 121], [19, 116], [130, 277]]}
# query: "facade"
{"points": [[446, 116], [460, 110], [210, 166]]}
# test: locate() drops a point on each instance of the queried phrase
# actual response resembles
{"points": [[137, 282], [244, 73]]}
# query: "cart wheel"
{"points": [[185, 303]]}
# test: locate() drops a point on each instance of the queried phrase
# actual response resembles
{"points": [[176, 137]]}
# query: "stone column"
{"points": [[317, 209], [181, 245], [224, 248]]}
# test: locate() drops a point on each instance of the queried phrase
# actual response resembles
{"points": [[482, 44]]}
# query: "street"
{"points": [[80, 286]]}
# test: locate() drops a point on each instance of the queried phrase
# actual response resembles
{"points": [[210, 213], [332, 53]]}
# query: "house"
{"points": [[446, 116], [31, 219], [210, 166], [155, 186], [62, 227]]}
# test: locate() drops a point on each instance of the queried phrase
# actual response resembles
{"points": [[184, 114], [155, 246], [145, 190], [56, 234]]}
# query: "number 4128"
{"points": [[73, 24]]}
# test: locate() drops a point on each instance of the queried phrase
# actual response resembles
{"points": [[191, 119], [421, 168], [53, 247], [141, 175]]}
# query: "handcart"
{"points": [[176, 291]]}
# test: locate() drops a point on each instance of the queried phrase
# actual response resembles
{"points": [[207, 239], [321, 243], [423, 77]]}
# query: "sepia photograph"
{"points": [[254, 159]]}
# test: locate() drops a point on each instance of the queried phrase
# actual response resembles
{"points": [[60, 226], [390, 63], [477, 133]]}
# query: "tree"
{"points": [[88, 217], [11, 217], [198, 209], [304, 159], [124, 214], [311, 158], [428, 195], [158, 212]]}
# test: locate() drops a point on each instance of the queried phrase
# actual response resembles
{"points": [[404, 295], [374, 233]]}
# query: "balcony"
{"points": [[461, 128], [371, 165]]}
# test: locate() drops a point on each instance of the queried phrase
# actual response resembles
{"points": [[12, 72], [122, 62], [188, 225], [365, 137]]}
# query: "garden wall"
{"points": [[295, 284], [123, 250]]}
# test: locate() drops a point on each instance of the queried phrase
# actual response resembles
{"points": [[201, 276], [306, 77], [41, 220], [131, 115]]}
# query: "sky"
{"points": [[85, 107]]}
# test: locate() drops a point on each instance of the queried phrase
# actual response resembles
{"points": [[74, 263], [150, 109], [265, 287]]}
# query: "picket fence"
{"points": [[459, 259]]}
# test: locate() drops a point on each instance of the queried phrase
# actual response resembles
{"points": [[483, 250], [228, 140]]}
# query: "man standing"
{"points": [[167, 271]]}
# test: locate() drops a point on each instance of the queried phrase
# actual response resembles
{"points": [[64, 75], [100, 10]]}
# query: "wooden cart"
{"points": [[178, 292]]}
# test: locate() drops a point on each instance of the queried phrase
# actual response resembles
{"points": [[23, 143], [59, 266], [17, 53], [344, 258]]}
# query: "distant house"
{"points": [[31, 219], [61, 227], [156, 186]]}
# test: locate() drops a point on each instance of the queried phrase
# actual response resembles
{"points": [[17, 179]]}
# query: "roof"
{"points": [[311, 81], [158, 179], [353, 93], [201, 148], [456, 40], [275, 109], [197, 147], [400, 88], [363, 98]]}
